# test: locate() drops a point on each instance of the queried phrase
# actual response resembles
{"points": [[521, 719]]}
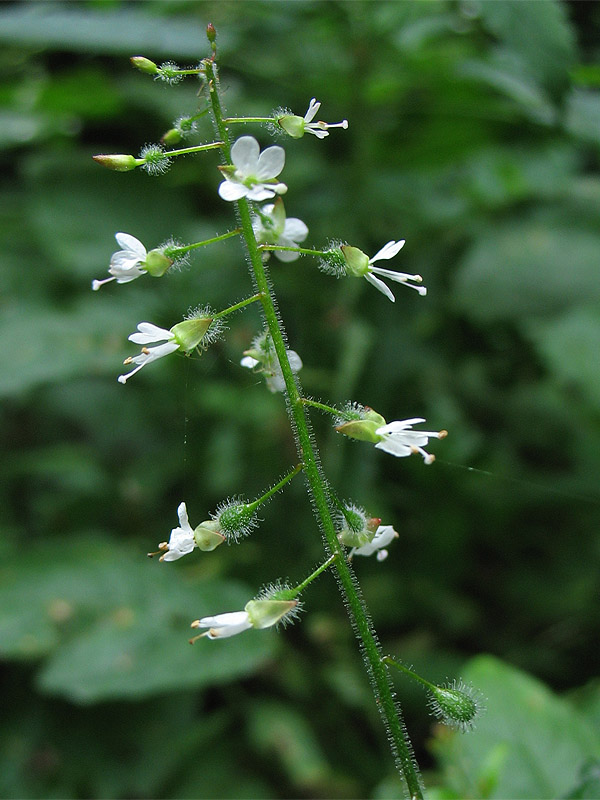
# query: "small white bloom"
{"points": [[319, 129], [223, 625], [297, 126], [400, 440], [149, 333], [359, 264], [126, 264], [384, 535], [253, 173], [182, 539], [272, 227], [262, 354]]}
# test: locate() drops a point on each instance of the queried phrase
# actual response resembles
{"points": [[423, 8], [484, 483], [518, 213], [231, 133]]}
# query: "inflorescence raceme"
{"points": [[250, 179]]}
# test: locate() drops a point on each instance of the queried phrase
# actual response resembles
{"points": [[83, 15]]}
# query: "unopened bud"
{"points": [[207, 536], [157, 263], [457, 705], [120, 163], [171, 137], [364, 428], [189, 333], [357, 262], [144, 65], [293, 125], [266, 613]]}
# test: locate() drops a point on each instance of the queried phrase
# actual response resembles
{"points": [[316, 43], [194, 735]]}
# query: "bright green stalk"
{"points": [[309, 456], [274, 489], [302, 250], [237, 306], [177, 251]]}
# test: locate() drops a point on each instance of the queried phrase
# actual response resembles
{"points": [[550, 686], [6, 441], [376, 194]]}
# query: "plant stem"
{"points": [[237, 306], [292, 474], [175, 251], [309, 456], [302, 586], [196, 149], [303, 250], [233, 120], [392, 661], [322, 407]]}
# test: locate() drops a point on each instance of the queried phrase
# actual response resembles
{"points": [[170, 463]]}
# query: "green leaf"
{"points": [[538, 32], [527, 268], [570, 346], [529, 742], [113, 624], [583, 115]]}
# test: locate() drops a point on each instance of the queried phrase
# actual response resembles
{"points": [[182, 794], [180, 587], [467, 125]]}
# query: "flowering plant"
{"points": [[250, 177]]}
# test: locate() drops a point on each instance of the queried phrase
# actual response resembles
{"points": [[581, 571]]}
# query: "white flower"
{"points": [[149, 333], [271, 227], [223, 625], [383, 536], [400, 440], [360, 265], [262, 353], [182, 539], [297, 126], [263, 612], [253, 173], [126, 264]]}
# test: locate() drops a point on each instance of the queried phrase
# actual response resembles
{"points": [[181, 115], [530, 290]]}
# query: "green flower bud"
{"points": [[292, 125], [171, 137], [144, 65], [208, 536], [120, 163], [364, 427], [236, 520], [357, 529], [357, 262], [157, 263], [265, 613], [189, 333], [456, 704]]}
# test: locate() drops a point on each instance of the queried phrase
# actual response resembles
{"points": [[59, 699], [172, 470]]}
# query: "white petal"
{"points": [[295, 229], [399, 277], [229, 190], [245, 154], [313, 107], [394, 446], [380, 285], [295, 360], [150, 333], [399, 425], [270, 163], [318, 132], [388, 250], [249, 362], [260, 192], [183, 516], [130, 243]]}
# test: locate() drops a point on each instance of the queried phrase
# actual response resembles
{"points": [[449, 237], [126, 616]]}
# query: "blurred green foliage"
{"points": [[474, 134]]}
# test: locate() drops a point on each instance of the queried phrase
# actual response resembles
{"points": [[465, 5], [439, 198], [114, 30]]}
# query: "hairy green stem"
{"points": [[309, 456], [237, 306], [176, 251], [302, 250], [325, 565], [274, 489]]}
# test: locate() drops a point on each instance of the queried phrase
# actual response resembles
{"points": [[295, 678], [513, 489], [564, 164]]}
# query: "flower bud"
{"points": [[363, 428], [157, 263], [120, 163], [357, 529], [357, 262], [144, 65], [292, 125], [208, 536], [171, 137], [211, 33], [264, 613], [456, 704], [189, 333], [236, 520]]}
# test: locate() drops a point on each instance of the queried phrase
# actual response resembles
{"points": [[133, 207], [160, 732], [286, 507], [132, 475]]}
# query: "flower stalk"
{"points": [[308, 454]]}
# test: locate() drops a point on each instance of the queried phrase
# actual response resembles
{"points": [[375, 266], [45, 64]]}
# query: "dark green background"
{"points": [[474, 134]]}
